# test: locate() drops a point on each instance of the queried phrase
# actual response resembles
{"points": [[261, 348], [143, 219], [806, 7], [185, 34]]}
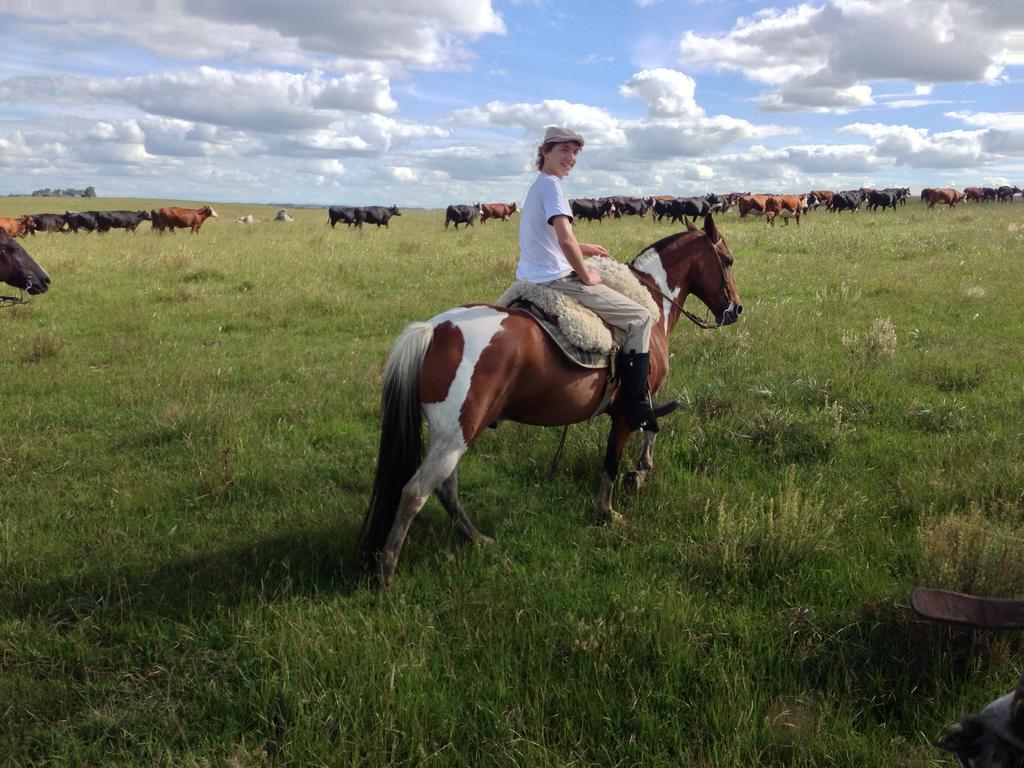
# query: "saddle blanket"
{"points": [[579, 332]]}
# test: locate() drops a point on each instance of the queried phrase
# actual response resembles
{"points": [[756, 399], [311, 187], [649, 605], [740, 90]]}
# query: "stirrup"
{"points": [[647, 415]]}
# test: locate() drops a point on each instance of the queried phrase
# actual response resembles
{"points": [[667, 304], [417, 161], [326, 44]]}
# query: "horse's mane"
{"points": [[655, 250]]}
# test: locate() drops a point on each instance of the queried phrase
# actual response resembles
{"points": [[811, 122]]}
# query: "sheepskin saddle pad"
{"points": [[579, 332]]}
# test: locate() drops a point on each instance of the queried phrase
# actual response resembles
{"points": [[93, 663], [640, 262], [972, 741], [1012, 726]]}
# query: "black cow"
{"points": [[881, 199], [48, 222], [1006, 193], [461, 214], [376, 214], [126, 220], [630, 206], [81, 220], [344, 214], [590, 209], [719, 203], [846, 201], [678, 207]]}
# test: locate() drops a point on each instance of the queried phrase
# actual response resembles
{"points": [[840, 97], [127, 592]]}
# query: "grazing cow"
{"points": [[501, 211], [751, 204], [818, 197], [630, 206], [81, 220], [591, 209], [461, 214], [126, 220], [944, 195], [18, 227], [17, 268], [180, 218], [846, 201], [678, 207], [719, 203], [48, 222], [1005, 193], [784, 205], [376, 214], [284, 216], [344, 214], [977, 194], [247, 219], [884, 199]]}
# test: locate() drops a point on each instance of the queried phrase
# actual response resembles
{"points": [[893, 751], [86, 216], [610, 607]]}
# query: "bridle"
{"points": [[700, 322], [13, 301]]}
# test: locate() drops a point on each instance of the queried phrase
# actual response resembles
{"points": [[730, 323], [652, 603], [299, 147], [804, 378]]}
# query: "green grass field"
{"points": [[188, 440]]}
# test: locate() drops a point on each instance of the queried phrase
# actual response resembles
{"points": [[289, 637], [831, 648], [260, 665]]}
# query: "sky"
{"points": [[424, 103]]}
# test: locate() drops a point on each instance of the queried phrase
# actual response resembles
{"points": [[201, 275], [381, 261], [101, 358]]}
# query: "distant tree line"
{"points": [[47, 192]]}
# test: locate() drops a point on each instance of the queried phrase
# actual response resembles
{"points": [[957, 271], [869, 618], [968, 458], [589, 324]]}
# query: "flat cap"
{"points": [[556, 135]]}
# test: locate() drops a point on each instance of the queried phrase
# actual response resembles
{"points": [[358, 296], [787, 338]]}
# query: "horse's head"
{"points": [[18, 269], [697, 261]]}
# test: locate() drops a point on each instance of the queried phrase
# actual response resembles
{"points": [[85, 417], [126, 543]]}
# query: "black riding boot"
{"points": [[634, 368]]}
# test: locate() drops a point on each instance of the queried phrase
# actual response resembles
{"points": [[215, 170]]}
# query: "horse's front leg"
{"points": [[634, 480], [612, 457]]}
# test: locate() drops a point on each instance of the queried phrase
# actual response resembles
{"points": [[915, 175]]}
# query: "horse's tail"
{"points": [[401, 437]]}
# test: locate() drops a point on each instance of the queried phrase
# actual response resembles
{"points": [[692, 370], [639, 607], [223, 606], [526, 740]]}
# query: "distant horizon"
{"points": [[392, 103]]}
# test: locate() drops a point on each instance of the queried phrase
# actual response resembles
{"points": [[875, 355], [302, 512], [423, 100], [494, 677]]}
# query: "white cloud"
{"points": [[310, 32], [667, 93], [824, 58]]}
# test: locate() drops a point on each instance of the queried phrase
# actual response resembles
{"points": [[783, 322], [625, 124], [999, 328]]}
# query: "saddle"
{"points": [[578, 332]]}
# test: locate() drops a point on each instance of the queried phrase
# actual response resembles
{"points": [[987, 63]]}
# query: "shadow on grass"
{"points": [[299, 564]]}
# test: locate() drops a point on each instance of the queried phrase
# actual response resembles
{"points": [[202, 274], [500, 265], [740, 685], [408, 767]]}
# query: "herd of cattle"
{"points": [[583, 208], [162, 219]]}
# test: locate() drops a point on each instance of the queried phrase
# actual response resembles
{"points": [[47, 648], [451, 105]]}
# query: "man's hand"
{"points": [[591, 277], [592, 249]]}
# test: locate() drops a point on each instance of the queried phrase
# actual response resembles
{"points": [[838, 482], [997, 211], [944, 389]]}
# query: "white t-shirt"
{"points": [[540, 257]]}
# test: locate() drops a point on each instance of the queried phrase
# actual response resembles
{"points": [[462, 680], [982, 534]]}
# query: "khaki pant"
{"points": [[612, 307]]}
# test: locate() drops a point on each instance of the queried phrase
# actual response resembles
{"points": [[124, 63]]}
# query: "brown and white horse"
{"points": [[472, 366]]}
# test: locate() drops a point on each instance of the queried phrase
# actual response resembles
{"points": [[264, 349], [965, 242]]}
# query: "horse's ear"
{"points": [[710, 229], [690, 226]]}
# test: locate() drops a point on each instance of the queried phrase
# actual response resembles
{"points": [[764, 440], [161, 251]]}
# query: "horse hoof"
{"points": [[386, 571], [482, 539], [611, 517], [633, 482]]}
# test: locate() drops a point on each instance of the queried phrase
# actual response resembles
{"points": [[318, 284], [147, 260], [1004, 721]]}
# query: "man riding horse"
{"points": [[550, 255]]}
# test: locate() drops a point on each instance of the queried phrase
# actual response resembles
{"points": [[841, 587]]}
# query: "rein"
{"points": [[13, 301], [698, 321]]}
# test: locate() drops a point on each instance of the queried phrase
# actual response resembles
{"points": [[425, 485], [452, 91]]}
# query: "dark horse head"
{"points": [[17, 268]]}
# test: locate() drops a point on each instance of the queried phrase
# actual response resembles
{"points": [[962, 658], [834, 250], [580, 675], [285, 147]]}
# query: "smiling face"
{"points": [[559, 158]]}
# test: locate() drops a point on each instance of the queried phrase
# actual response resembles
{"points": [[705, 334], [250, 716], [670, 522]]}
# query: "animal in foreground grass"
{"points": [[472, 366], [993, 738], [17, 268]]}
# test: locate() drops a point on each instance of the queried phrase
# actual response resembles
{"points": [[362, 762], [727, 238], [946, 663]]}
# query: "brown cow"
{"points": [[944, 195], [749, 203], [179, 218], [977, 194], [18, 227], [787, 205], [496, 211]]}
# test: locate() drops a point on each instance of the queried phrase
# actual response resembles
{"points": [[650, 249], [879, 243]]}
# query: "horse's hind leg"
{"points": [[440, 463], [634, 480], [448, 493]]}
